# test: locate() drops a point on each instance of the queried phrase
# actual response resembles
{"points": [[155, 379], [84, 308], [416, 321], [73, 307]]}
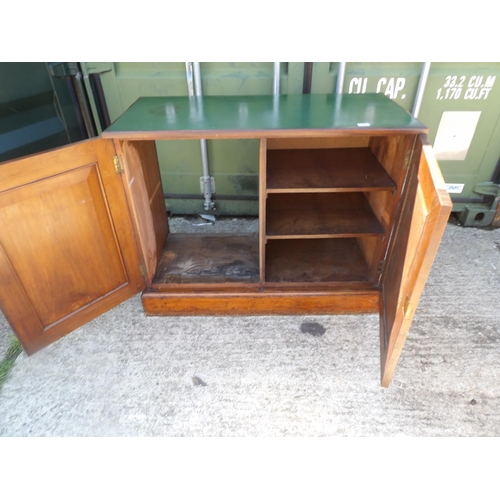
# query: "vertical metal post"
{"points": [[189, 77], [276, 79], [197, 79], [421, 88], [340, 78], [307, 82], [193, 72]]}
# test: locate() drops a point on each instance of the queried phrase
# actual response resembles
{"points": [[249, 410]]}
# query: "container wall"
{"points": [[399, 81], [233, 163], [460, 105]]}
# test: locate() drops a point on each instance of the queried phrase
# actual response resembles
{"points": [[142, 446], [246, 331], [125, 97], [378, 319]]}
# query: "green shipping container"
{"points": [[233, 163], [461, 107], [459, 102]]}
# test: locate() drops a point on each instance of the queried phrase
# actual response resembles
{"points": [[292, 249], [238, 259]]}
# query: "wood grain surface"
{"points": [[300, 215], [209, 258], [421, 225], [326, 170], [69, 253], [294, 302], [316, 261]]}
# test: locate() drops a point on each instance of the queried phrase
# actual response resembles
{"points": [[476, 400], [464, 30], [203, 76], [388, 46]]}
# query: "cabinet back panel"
{"points": [[319, 142], [316, 261]]}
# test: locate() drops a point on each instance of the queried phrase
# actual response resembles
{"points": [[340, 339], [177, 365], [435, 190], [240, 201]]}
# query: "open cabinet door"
{"points": [[67, 246], [420, 226]]}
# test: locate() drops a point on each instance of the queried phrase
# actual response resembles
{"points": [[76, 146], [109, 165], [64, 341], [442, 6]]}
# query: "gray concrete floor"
{"points": [[125, 374]]}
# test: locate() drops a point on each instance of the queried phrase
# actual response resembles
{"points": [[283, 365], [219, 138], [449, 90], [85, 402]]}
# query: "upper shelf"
{"points": [[325, 170], [226, 117]]}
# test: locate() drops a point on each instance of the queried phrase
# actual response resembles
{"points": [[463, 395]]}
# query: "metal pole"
{"points": [[421, 88], [307, 82], [276, 80], [197, 79], [193, 72], [340, 78], [86, 111], [189, 76]]}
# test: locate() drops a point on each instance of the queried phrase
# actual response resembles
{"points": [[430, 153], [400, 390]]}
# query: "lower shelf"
{"points": [[218, 274], [233, 260], [316, 261], [209, 259]]}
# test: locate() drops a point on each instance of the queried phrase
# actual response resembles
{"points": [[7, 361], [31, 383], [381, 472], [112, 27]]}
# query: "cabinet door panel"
{"points": [[68, 251], [420, 226]]}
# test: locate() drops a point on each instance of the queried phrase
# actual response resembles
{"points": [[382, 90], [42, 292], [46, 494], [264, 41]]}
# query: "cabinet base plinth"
{"points": [[259, 303]]}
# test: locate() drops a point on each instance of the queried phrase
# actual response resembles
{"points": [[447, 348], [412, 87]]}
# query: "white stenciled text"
{"points": [[473, 87], [391, 87]]}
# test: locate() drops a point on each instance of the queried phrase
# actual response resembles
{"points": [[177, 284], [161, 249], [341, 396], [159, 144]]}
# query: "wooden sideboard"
{"points": [[352, 208]]}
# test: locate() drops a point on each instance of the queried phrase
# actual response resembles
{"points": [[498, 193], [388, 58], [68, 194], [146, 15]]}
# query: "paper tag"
{"points": [[454, 188]]}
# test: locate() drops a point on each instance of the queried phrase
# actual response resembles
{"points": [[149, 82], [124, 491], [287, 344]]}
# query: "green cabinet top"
{"points": [[220, 117]]}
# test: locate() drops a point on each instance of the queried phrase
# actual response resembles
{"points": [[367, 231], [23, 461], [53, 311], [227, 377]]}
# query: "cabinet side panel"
{"points": [[393, 152], [262, 208], [145, 194]]}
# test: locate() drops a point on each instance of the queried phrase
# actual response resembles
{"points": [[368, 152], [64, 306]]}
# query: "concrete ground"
{"points": [[125, 374]]}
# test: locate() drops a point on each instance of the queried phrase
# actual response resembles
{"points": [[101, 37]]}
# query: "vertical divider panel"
{"points": [[262, 208]]}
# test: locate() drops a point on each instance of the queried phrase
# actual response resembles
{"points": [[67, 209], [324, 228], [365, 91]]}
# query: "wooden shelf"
{"points": [[325, 170], [320, 215], [316, 261], [209, 258]]}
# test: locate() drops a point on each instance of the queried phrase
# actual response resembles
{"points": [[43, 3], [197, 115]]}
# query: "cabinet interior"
{"points": [[326, 208]]}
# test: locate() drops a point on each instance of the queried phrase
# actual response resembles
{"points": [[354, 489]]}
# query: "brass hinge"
{"points": [[142, 270], [407, 308], [381, 267], [117, 161]]}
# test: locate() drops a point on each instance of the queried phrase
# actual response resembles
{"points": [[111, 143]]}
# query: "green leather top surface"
{"points": [[257, 113]]}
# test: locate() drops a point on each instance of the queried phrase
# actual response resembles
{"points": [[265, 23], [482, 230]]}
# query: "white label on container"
{"points": [[454, 188], [455, 132]]}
